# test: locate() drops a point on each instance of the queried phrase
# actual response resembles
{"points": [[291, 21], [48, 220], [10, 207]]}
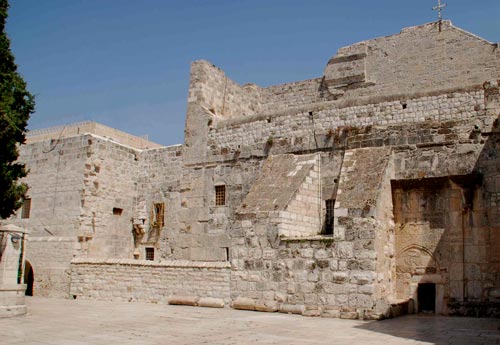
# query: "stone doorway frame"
{"points": [[439, 281]]}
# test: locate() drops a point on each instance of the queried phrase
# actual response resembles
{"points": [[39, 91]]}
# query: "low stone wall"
{"points": [[148, 281]]}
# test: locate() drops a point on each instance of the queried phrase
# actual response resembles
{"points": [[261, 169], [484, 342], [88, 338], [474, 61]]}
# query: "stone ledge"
{"points": [[52, 239], [13, 287], [167, 263], [308, 238]]}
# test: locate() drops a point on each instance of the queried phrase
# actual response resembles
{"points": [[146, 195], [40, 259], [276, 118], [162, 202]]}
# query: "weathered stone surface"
{"points": [[184, 300], [266, 305], [211, 302], [399, 134], [243, 303]]}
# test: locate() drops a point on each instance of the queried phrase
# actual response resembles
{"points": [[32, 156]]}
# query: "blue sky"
{"points": [[126, 63]]}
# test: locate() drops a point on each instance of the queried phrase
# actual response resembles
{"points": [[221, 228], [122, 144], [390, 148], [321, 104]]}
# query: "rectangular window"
{"points": [[330, 206], [25, 212], [158, 214], [220, 195], [150, 254]]}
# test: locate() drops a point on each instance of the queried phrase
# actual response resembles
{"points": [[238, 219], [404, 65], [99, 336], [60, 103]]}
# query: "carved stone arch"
{"points": [[420, 248]]}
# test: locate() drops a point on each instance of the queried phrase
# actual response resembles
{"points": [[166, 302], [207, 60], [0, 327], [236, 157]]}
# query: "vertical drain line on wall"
{"points": [[343, 148], [311, 116], [465, 216], [320, 196], [60, 152]]}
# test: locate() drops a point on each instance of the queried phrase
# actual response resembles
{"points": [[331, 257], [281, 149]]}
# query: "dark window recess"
{"points": [[226, 250], [220, 195], [26, 209], [117, 211], [150, 254], [328, 228]]}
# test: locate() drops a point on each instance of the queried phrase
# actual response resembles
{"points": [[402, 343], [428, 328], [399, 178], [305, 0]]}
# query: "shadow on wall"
{"points": [[448, 238]]}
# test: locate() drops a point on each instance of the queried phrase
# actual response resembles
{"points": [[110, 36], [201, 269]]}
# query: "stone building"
{"points": [[371, 190]]}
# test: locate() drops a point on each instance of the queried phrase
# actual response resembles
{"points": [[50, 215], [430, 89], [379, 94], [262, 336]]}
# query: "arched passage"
{"points": [[28, 278]]}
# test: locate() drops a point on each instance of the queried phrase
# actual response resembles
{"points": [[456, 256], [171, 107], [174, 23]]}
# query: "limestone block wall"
{"points": [[364, 197], [302, 216], [317, 127], [89, 127], [281, 97], [55, 180], [147, 281], [108, 198], [424, 58], [418, 59], [212, 89], [277, 268], [158, 181], [203, 232], [309, 276], [56, 184], [445, 212], [49, 258]]}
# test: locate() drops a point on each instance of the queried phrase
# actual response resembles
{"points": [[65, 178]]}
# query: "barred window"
{"points": [[330, 206], [220, 195], [150, 254], [25, 212]]}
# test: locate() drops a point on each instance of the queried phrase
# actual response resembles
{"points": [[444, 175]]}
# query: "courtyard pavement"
{"points": [[72, 322]]}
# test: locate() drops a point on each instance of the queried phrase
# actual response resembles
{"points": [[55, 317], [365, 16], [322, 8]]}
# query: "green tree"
{"points": [[16, 105]]}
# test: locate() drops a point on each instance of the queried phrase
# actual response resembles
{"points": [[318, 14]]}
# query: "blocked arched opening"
{"points": [[29, 278]]}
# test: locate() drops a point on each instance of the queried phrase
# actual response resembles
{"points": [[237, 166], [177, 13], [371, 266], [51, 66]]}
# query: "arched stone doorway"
{"points": [[418, 277], [29, 278]]}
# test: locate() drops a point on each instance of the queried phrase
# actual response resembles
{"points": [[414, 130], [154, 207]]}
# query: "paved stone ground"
{"points": [[70, 322]]}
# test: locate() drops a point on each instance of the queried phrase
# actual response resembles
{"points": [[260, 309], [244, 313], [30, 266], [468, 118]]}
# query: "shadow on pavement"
{"points": [[439, 329]]}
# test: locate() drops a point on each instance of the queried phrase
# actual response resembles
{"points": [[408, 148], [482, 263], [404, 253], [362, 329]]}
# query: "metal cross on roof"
{"points": [[438, 8]]}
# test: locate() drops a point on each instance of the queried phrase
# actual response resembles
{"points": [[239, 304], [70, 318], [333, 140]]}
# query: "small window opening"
{"points": [[226, 250], [25, 212], [330, 206], [117, 211], [158, 214], [150, 254], [404, 105], [220, 195]]}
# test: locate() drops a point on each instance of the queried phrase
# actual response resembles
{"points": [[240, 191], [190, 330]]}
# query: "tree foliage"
{"points": [[16, 105]]}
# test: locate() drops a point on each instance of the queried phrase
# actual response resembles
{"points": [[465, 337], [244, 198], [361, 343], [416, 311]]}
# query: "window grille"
{"points": [[220, 195], [25, 212], [330, 205], [150, 254]]}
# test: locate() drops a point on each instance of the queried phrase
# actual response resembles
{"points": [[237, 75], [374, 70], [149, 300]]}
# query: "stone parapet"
{"points": [[163, 263], [148, 281]]}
